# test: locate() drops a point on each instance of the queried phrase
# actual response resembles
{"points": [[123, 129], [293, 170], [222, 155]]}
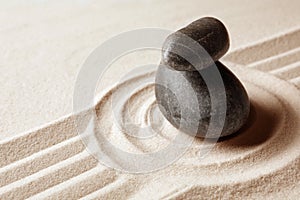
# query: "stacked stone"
{"points": [[182, 93]]}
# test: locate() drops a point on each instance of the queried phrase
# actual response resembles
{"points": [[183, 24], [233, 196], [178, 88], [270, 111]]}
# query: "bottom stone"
{"points": [[185, 100]]}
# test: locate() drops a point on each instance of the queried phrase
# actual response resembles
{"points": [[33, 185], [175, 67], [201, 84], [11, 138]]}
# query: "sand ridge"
{"points": [[278, 55]]}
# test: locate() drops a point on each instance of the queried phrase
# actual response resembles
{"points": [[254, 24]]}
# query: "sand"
{"points": [[262, 161], [44, 44], [51, 161]]}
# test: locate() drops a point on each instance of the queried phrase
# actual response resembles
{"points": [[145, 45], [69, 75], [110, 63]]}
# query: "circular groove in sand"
{"points": [[267, 144]]}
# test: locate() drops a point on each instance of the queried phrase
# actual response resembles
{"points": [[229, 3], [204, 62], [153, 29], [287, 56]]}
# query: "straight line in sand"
{"points": [[267, 48], [49, 177], [40, 160]]}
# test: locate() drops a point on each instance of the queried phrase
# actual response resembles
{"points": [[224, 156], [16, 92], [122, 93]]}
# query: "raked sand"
{"points": [[261, 162], [51, 161]]}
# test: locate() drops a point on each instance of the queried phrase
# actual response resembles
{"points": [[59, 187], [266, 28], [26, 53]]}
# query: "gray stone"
{"points": [[208, 32], [172, 86]]}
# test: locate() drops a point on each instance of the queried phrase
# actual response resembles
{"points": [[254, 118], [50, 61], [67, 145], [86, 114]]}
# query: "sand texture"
{"points": [[50, 161]]}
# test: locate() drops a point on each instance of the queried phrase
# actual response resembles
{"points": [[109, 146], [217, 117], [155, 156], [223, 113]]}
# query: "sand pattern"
{"points": [[279, 56], [52, 162]]}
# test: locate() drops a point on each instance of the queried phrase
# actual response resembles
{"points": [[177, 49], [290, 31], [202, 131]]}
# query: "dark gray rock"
{"points": [[208, 32], [174, 91]]}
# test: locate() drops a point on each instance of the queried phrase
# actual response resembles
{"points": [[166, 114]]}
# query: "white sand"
{"points": [[41, 56]]}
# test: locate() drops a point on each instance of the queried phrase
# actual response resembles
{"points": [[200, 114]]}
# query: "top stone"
{"points": [[196, 46]]}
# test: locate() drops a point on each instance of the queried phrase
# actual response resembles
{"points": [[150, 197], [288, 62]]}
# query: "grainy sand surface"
{"points": [[45, 43]]}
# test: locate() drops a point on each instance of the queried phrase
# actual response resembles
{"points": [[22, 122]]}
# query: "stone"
{"points": [[208, 32], [174, 91]]}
